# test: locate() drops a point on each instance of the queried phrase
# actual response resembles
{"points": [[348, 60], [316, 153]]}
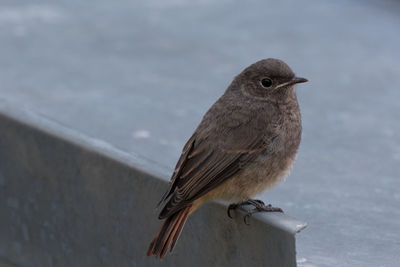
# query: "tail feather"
{"points": [[169, 232], [180, 227]]}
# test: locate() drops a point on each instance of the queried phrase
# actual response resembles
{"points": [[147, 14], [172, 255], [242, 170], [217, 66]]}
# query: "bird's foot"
{"points": [[259, 206], [255, 202]]}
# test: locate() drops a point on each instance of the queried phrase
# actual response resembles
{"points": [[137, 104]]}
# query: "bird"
{"points": [[245, 143]]}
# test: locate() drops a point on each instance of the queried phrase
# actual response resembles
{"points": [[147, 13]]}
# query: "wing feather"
{"points": [[206, 171]]}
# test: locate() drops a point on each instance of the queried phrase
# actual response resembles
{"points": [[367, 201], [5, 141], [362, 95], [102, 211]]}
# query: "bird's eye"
{"points": [[266, 82]]}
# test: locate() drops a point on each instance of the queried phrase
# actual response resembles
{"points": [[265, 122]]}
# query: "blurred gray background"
{"points": [[140, 75]]}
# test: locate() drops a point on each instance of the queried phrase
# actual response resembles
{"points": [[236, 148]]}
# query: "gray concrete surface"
{"points": [[139, 75], [6, 264], [70, 200]]}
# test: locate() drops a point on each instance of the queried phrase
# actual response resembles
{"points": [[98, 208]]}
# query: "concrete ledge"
{"points": [[70, 200]]}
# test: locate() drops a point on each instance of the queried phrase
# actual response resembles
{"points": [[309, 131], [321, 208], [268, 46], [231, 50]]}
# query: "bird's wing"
{"points": [[205, 164], [178, 168]]}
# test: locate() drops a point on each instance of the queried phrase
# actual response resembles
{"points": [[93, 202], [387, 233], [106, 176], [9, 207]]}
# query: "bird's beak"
{"points": [[292, 81], [299, 80]]}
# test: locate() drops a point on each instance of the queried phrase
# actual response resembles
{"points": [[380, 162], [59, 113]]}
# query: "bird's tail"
{"points": [[169, 232]]}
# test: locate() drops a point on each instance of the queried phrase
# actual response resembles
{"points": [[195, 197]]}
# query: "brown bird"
{"points": [[246, 142]]}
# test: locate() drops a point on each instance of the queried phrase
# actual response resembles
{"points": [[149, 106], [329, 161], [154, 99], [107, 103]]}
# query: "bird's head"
{"points": [[267, 79]]}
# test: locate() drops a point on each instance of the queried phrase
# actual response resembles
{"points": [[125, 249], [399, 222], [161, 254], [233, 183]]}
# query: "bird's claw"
{"points": [[231, 207], [246, 218], [259, 206]]}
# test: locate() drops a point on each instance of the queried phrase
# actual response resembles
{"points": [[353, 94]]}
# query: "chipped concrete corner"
{"points": [[66, 201]]}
